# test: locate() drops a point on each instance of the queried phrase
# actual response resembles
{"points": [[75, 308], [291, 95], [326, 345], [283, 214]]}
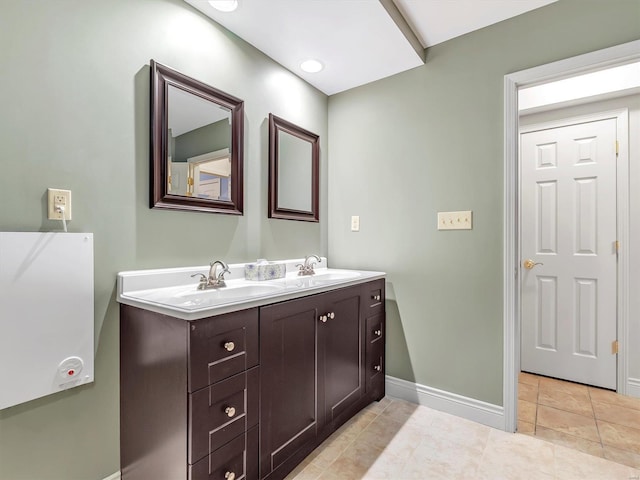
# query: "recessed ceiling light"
{"points": [[311, 66], [224, 5]]}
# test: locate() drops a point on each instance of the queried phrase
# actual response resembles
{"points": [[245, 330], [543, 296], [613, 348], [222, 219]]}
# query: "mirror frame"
{"points": [[276, 125], [161, 78]]}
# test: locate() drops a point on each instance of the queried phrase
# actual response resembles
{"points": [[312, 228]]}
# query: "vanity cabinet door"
{"points": [[289, 416], [340, 352]]}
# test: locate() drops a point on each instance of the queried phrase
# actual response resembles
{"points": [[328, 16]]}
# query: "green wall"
{"points": [[431, 139], [75, 115], [209, 138]]}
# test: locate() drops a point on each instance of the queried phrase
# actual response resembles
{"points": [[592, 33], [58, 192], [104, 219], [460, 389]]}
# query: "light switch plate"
{"points": [[455, 220], [355, 223]]}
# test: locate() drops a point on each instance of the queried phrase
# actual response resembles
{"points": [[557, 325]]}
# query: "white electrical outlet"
{"points": [[57, 199], [455, 220], [355, 223]]}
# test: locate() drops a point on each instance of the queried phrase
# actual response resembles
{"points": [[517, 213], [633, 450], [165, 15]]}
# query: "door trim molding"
{"points": [[448, 402], [589, 62]]}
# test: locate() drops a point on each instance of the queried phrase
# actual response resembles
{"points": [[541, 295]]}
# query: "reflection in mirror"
{"points": [[294, 157], [199, 140], [197, 144], [294, 172]]}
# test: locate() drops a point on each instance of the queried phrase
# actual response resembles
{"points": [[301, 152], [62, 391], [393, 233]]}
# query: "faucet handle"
{"points": [[225, 269], [202, 284]]}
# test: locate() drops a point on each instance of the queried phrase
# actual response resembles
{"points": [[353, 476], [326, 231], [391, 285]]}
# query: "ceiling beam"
{"points": [[404, 27]]}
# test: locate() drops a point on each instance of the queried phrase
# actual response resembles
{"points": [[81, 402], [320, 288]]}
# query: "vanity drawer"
{"points": [[375, 329], [222, 411], [375, 366], [237, 459], [374, 296], [222, 346]]}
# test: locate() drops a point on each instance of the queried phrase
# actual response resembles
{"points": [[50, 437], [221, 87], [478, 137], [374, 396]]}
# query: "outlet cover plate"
{"points": [[58, 197], [462, 220]]}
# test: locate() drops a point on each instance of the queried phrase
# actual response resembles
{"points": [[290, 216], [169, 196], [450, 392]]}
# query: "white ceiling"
{"points": [[356, 40]]}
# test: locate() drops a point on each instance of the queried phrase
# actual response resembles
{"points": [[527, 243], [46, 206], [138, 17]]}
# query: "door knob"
{"points": [[529, 264]]}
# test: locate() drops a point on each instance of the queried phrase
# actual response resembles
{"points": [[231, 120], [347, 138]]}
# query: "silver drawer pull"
{"points": [[331, 315], [378, 332], [229, 346], [229, 475], [377, 368], [323, 318], [230, 411]]}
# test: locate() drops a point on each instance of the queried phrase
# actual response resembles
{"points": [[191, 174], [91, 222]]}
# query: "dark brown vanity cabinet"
{"points": [[374, 339], [189, 396], [248, 394], [314, 373]]}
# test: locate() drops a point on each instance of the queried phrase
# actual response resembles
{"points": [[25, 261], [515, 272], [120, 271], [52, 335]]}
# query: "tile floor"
{"points": [[398, 440], [593, 420]]}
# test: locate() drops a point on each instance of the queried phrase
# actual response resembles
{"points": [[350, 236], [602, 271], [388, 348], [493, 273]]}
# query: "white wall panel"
{"points": [[46, 314]]}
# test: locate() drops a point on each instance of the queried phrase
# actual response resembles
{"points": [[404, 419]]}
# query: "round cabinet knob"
{"points": [[323, 318], [377, 368], [229, 346], [331, 315], [378, 332], [376, 298], [230, 411], [229, 475]]}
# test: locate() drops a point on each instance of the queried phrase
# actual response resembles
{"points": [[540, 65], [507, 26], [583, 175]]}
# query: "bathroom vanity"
{"points": [[243, 383]]}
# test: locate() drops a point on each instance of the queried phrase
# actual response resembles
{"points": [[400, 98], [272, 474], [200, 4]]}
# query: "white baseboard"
{"points": [[113, 476], [633, 387], [465, 407]]}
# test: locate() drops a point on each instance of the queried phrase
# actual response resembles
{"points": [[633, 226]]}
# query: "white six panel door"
{"points": [[568, 227]]}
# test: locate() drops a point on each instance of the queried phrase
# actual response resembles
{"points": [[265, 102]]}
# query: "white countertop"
{"points": [[173, 292]]}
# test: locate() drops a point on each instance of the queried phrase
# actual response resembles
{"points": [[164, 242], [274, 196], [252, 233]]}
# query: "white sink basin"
{"points": [[333, 276], [229, 292], [190, 297]]}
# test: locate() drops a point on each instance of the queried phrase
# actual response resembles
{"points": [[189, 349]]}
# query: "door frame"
{"points": [[589, 62]]}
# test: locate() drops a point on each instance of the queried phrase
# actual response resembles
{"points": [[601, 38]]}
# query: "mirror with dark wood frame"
{"points": [[196, 145], [294, 171]]}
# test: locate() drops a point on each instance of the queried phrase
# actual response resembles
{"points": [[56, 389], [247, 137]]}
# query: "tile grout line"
{"points": [[327, 468], [595, 419], [535, 423], [377, 415]]}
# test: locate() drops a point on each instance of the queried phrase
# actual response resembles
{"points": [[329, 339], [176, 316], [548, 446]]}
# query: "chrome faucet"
{"points": [[214, 280], [307, 267]]}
